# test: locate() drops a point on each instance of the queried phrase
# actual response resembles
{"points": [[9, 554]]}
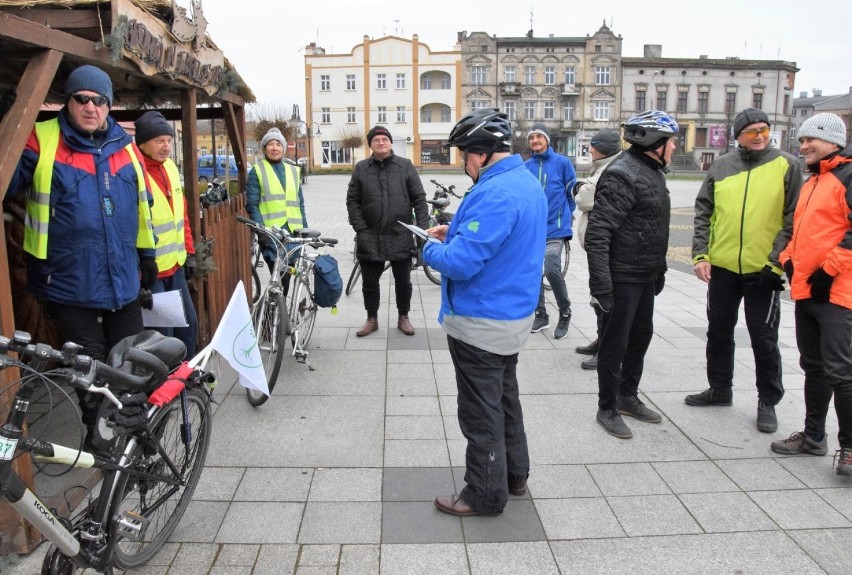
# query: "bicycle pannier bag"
{"points": [[328, 285]]}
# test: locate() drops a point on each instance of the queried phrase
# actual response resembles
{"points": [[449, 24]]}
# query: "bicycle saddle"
{"points": [[307, 233], [169, 350], [439, 203]]}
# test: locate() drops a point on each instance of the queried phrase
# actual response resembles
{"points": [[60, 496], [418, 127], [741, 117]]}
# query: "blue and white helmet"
{"points": [[648, 128]]}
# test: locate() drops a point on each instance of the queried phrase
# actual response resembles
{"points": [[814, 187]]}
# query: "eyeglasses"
{"points": [[753, 132], [82, 99]]}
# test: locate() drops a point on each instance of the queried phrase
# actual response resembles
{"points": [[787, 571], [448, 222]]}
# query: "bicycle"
{"points": [[565, 258], [271, 323], [149, 473]]}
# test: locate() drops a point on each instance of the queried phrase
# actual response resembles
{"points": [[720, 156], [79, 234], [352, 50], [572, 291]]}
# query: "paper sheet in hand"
{"points": [[167, 312], [419, 232]]}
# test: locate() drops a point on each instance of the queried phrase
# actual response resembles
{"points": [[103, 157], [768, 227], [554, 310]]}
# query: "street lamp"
{"points": [[311, 134]]}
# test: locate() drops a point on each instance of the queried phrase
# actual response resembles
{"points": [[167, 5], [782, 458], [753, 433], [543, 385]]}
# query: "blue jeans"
{"points": [[553, 273], [188, 335], [492, 421]]}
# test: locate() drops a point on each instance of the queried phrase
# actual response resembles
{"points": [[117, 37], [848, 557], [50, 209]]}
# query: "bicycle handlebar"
{"points": [[444, 190], [282, 236]]}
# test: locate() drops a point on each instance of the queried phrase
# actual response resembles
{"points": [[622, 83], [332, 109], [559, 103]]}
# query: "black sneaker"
{"points": [[591, 349], [542, 321], [843, 459], [766, 420], [562, 326], [799, 443], [633, 406], [710, 397], [591, 363], [612, 422]]}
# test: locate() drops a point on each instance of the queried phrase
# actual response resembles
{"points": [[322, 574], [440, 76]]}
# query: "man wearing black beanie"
{"points": [[743, 219]]}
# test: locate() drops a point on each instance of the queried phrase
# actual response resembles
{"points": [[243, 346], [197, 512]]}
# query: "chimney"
{"points": [[653, 50], [803, 94], [817, 92]]}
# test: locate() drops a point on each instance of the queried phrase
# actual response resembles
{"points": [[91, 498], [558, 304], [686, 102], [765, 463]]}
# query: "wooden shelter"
{"points": [[158, 56]]}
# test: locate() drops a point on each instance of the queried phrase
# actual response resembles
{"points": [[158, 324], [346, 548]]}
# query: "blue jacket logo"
{"points": [[473, 226]]}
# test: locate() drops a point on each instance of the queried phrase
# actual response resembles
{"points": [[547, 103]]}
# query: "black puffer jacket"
{"points": [[381, 193], [628, 233]]}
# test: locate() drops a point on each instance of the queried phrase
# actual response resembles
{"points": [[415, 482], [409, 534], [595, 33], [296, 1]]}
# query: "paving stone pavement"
{"points": [[336, 473]]}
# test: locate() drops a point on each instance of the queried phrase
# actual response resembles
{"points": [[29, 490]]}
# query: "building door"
{"points": [[706, 160]]}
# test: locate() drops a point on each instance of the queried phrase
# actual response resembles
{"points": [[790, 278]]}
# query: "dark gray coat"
{"points": [[380, 194]]}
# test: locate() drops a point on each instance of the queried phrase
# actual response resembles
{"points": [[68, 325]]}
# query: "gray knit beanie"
{"points": [[825, 126], [539, 129], [273, 134], [91, 79], [607, 141]]}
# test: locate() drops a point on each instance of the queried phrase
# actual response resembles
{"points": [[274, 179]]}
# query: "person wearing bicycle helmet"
{"points": [[490, 260], [626, 243], [556, 175]]}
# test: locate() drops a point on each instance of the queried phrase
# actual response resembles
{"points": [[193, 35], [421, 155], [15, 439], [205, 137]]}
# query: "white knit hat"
{"points": [[273, 134], [825, 126]]}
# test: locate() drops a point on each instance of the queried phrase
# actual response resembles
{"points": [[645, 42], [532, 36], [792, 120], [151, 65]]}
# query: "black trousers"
{"points": [[97, 330], [824, 337], [492, 421], [762, 313], [371, 273], [625, 336]]}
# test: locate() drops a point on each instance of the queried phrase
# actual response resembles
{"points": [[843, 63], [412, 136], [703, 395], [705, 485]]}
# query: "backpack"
{"points": [[328, 285]]}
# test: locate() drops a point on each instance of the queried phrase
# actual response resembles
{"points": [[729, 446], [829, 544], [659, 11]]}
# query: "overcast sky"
{"points": [[265, 39]]}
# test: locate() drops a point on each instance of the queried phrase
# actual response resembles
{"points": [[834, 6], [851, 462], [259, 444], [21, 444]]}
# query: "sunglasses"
{"points": [[753, 132], [82, 99]]}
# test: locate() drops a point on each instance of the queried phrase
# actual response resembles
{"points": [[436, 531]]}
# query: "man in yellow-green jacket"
{"points": [[743, 219]]}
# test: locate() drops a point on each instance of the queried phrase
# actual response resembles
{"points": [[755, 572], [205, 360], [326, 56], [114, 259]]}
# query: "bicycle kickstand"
{"points": [[302, 357]]}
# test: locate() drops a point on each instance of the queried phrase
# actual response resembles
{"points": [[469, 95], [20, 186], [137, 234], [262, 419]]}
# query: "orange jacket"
{"points": [[822, 230]]}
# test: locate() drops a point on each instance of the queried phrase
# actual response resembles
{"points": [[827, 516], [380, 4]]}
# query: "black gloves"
{"points": [[189, 267], [659, 284], [820, 286], [146, 299], [769, 280], [133, 415], [788, 269], [149, 271], [265, 241], [603, 302]]}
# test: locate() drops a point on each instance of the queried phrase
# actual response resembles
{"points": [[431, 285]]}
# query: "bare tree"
{"points": [[265, 115], [351, 138]]}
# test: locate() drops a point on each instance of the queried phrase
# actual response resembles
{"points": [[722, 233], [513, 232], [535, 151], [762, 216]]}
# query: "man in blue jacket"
{"points": [[88, 232], [490, 259], [556, 176]]}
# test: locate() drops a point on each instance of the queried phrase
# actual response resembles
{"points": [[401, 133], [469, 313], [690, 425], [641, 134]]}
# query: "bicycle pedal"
{"points": [[132, 526]]}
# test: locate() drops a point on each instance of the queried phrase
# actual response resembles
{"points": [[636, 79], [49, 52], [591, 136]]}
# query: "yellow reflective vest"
{"points": [[168, 220], [279, 205]]}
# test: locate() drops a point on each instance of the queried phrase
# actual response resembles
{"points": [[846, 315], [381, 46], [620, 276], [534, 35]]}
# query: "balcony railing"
{"points": [[571, 89], [510, 88]]}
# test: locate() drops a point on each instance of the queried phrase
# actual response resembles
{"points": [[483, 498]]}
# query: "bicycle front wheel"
{"points": [[271, 327], [433, 274], [563, 265], [159, 484], [353, 278], [303, 313]]}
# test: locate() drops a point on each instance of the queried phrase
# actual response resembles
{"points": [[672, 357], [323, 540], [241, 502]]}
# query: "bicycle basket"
{"points": [[328, 285]]}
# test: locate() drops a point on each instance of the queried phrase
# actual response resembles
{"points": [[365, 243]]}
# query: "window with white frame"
{"points": [[477, 75], [446, 114], [602, 75], [325, 82], [400, 81], [600, 111], [509, 73], [550, 75], [426, 115], [350, 81], [325, 115], [426, 82], [334, 153], [478, 105], [446, 82], [570, 75], [400, 113], [381, 81], [529, 110], [509, 108], [350, 115], [529, 74], [548, 110], [382, 115], [569, 111]]}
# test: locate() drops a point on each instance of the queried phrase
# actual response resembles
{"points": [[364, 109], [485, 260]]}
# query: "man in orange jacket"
{"points": [[818, 263]]}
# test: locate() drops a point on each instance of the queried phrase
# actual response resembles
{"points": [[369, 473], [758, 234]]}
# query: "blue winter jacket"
{"points": [[92, 259], [492, 257], [556, 175]]}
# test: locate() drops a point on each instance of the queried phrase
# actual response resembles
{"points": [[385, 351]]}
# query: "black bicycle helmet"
{"points": [[649, 128], [485, 130]]}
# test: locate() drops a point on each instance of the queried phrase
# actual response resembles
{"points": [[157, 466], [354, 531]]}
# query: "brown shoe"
{"points": [[454, 505], [405, 326], [371, 325]]}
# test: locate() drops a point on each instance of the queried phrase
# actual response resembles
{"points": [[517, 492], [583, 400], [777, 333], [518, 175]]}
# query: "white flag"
{"points": [[236, 341]]}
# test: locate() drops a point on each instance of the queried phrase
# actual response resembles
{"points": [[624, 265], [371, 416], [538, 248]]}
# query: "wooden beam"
{"points": [[233, 121], [60, 18]]}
